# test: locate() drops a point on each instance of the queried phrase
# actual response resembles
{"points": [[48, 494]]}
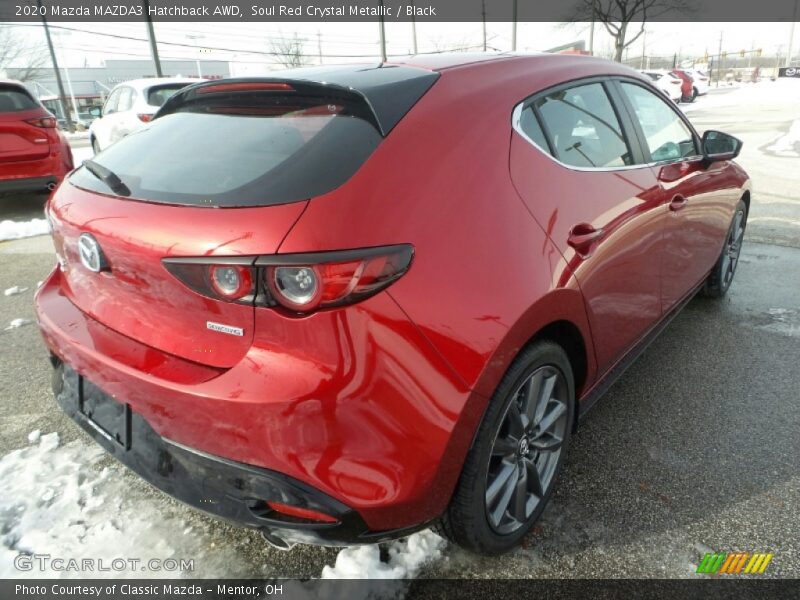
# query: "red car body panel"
{"points": [[687, 85], [376, 404], [30, 156]]}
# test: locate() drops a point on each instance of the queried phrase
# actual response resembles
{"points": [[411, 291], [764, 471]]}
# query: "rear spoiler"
{"points": [[388, 91]]}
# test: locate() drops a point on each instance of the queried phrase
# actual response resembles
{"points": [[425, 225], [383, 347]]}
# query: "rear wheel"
{"points": [[95, 146], [518, 451], [721, 276]]}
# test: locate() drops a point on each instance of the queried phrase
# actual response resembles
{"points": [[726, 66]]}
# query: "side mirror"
{"points": [[96, 112], [720, 146]]}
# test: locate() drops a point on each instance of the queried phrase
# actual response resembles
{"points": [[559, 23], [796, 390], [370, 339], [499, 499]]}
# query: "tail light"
{"points": [[145, 117], [300, 283], [44, 122], [301, 513]]}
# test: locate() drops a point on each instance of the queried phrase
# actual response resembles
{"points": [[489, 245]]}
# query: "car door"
{"points": [[102, 127], [695, 194], [577, 164], [122, 123]]}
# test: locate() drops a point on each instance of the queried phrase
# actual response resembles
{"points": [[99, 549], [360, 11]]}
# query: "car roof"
{"points": [[12, 82]]}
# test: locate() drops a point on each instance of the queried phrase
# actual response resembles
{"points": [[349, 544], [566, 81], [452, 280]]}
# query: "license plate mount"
{"points": [[110, 418]]}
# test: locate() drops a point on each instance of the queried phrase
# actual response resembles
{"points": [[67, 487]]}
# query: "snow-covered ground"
{"points": [[14, 230], [772, 93], [81, 154], [71, 502]]}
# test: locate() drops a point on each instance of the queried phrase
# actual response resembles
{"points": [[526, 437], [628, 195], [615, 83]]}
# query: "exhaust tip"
{"points": [[276, 541], [52, 185]]}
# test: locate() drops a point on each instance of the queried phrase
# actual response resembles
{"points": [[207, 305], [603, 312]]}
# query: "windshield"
{"points": [[240, 154]]}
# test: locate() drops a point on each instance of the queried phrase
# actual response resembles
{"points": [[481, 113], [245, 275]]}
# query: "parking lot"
{"points": [[694, 450]]}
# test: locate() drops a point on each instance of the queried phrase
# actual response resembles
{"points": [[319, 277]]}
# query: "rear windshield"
{"points": [[13, 99], [158, 94], [244, 152]]}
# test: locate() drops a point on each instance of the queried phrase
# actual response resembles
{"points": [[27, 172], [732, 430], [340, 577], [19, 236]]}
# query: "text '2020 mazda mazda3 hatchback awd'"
{"points": [[342, 304]]}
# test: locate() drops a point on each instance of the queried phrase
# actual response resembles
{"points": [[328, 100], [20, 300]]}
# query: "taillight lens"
{"points": [[43, 122], [144, 117], [300, 283]]}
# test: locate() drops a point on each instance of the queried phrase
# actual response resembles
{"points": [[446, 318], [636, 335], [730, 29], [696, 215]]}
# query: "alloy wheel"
{"points": [[733, 247], [526, 450]]}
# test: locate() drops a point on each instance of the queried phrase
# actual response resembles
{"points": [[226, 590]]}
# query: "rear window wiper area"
{"points": [[107, 176]]}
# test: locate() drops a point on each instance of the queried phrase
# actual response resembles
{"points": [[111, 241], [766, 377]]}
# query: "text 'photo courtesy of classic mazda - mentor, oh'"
{"points": [[342, 304]]}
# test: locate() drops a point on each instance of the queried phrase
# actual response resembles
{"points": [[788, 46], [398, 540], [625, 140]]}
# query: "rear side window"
{"points": [[667, 136], [583, 128], [246, 150], [126, 96], [14, 99], [158, 94], [530, 127]]}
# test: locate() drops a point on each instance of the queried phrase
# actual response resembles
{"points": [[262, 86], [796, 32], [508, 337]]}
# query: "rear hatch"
{"points": [[220, 173], [20, 140]]}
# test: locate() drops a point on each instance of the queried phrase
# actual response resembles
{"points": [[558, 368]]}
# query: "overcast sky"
{"points": [[345, 42]]}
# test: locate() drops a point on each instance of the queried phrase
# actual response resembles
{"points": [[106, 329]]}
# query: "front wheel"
{"points": [[510, 471], [722, 274]]}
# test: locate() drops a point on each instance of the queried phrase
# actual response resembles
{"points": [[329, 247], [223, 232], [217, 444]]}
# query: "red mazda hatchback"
{"points": [[339, 305], [33, 153]]}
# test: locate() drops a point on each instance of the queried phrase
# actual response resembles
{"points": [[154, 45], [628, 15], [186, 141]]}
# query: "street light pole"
{"points": [[382, 27], [788, 62], [414, 27], [514, 30], [61, 95], [151, 34]]}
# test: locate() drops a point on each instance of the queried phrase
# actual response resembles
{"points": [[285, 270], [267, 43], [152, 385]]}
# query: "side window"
{"points": [[583, 128], [125, 99], [111, 102], [529, 125], [667, 136]]}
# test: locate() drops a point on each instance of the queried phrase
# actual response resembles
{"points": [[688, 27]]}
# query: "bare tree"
{"points": [[26, 58], [288, 51], [617, 16]]}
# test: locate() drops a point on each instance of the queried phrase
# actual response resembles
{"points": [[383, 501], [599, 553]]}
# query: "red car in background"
{"points": [[342, 304], [34, 155], [687, 87]]}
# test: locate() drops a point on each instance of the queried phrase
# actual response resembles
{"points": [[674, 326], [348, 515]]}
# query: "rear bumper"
{"points": [[352, 406], [28, 184], [223, 488]]}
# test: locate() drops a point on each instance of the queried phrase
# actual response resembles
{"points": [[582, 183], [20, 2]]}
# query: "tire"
{"points": [[95, 146], [476, 518], [688, 99], [695, 94], [721, 276]]}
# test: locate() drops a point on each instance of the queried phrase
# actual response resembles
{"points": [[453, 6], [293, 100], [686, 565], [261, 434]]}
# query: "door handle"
{"points": [[582, 236], [678, 202]]}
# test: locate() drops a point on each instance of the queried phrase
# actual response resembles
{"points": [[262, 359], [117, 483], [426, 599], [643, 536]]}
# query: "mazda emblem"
{"points": [[91, 255]]}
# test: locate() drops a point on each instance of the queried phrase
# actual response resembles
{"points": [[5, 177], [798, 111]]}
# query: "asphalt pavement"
{"points": [[695, 449]]}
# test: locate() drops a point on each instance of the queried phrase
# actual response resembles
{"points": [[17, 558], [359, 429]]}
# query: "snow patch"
{"points": [[58, 500], [13, 291], [406, 558], [34, 436], [14, 230], [788, 145], [17, 323], [81, 154]]}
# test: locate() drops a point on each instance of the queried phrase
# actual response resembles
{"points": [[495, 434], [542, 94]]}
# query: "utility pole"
{"points": [[413, 26], [719, 59], [319, 45], [514, 30], [788, 62], [644, 48], [483, 18], [383, 34], [152, 35], [61, 95], [591, 33]]}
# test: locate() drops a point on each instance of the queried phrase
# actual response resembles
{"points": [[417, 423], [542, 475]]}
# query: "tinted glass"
{"points": [[157, 95], [667, 136], [530, 127], [13, 99], [583, 129], [234, 154]]}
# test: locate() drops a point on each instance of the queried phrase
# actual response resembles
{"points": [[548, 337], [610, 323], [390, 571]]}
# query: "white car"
{"points": [[667, 83], [700, 81], [130, 106]]}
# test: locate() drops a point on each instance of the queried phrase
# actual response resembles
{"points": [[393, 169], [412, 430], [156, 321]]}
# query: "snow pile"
{"points": [[81, 154], [406, 558], [17, 323], [13, 291], [14, 230], [776, 93], [788, 145], [55, 499]]}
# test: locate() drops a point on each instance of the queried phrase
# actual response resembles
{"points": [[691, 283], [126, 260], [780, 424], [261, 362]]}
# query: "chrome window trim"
{"points": [[516, 124]]}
